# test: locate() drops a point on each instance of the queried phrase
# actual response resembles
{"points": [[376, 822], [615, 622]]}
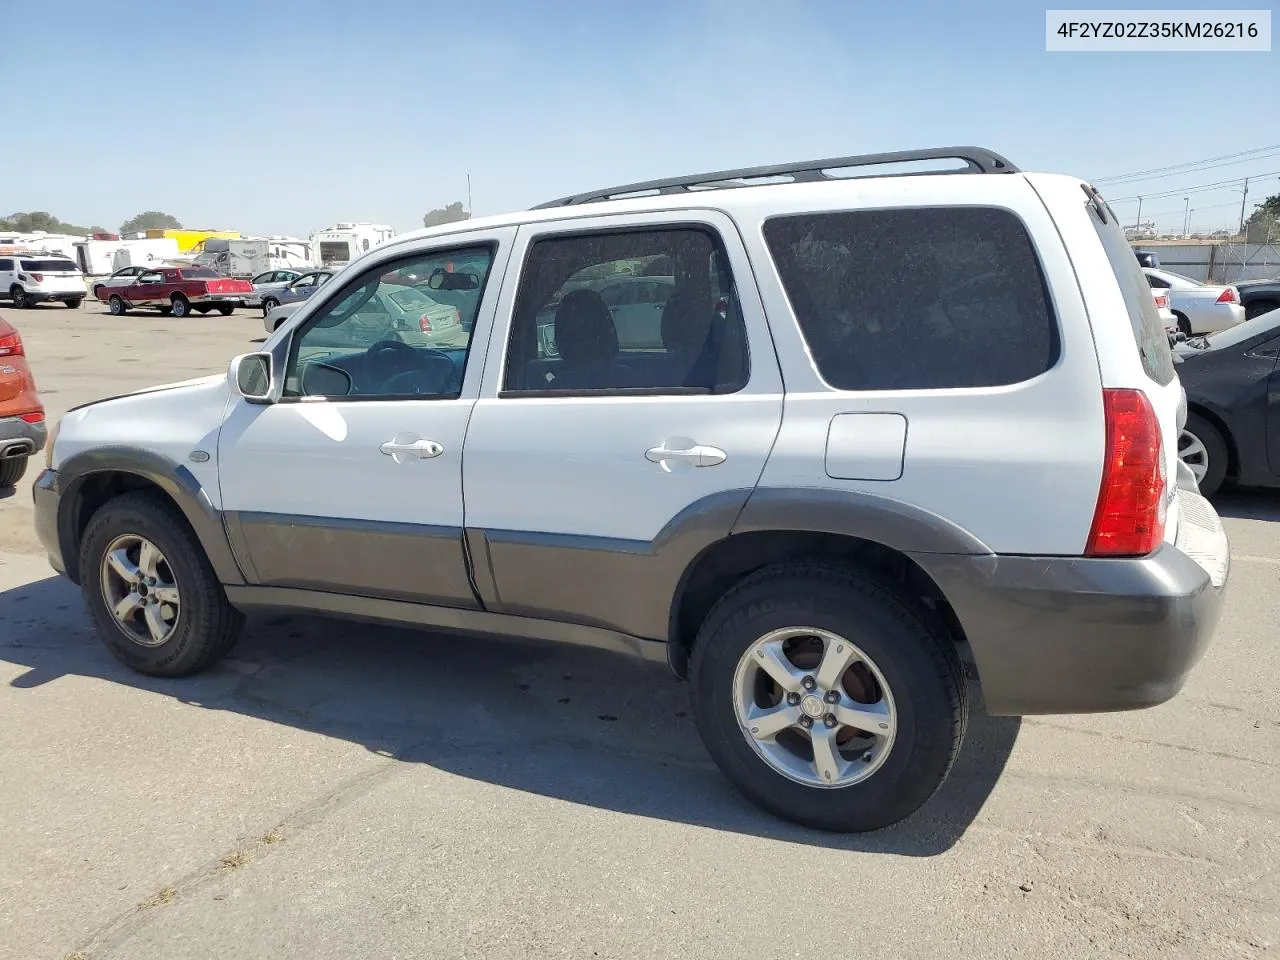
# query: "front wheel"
{"points": [[1202, 447], [154, 598], [269, 304], [826, 698], [12, 469], [180, 306], [116, 306]]}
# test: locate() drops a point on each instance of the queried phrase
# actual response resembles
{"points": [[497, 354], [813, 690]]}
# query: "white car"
{"points": [[841, 470], [28, 279], [1167, 316], [121, 278], [1198, 307]]}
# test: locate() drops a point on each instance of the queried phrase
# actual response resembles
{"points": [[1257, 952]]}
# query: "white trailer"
{"points": [[250, 256], [133, 253], [343, 242]]}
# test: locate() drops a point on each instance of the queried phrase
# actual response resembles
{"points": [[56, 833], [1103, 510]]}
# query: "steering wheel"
{"points": [[398, 368]]}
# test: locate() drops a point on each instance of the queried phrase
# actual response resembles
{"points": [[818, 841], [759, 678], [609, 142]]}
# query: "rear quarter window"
{"points": [[920, 298], [1144, 317]]}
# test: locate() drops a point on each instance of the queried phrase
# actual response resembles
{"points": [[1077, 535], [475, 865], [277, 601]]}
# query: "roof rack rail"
{"points": [[977, 160]]}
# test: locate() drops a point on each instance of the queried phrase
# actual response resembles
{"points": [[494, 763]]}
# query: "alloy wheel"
{"points": [[140, 590], [1193, 452]]}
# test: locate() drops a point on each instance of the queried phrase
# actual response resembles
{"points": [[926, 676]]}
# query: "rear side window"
{"points": [[1135, 287], [916, 298], [50, 266]]}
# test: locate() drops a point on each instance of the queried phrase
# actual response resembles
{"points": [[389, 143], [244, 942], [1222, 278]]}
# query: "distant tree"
{"points": [[1268, 211], [450, 214], [150, 220], [39, 220]]}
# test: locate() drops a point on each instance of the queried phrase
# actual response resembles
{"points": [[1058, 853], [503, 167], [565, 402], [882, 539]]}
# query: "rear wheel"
{"points": [[116, 306], [226, 309], [153, 596], [1184, 324], [73, 304], [1202, 447], [826, 698], [19, 296], [11, 470], [180, 306], [269, 304]]}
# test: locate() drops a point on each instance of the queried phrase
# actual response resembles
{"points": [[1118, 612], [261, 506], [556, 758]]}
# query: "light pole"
{"points": [[1186, 216]]}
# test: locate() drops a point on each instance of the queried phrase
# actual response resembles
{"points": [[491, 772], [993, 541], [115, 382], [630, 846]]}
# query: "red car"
{"points": [[22, 426], [180, 290]]}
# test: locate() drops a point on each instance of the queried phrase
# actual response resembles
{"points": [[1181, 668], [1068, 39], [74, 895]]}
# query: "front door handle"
{"points": [[403, 449], [681, 450]]}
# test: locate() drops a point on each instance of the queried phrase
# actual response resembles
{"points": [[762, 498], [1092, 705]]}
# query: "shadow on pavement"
{"points": [[1249, 504], [578, 725]]}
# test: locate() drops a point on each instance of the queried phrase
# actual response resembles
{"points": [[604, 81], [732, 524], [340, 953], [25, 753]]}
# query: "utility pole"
{"points": [[1137, 225], [1242, 203], [1186, 216], [468, 194]]}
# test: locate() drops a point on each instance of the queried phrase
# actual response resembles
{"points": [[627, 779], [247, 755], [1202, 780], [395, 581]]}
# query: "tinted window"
{"points": [[917, 299], [381, 337], [50, 266], [679, 334], [1144, 316], [201, 275], [6, 264]]}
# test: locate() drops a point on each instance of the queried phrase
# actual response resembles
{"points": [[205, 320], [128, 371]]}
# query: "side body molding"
{"points": [[179, 483]]}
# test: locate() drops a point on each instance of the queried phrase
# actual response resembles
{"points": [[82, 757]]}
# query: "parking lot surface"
{"points": [[340, 790]]}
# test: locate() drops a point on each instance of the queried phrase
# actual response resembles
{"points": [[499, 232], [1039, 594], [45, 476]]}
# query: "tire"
{"points": [[116, 306], [204, 625], [269, 304], [1257, 308], [180, 306], [226, 309], [19, 297], [1203, 448], [1184, 324], [11, 470], [73, 304], [913, 654]]}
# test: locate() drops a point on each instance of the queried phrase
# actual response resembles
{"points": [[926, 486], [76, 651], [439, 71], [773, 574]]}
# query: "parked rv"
{"points": [[248, 257], [343, 242]]}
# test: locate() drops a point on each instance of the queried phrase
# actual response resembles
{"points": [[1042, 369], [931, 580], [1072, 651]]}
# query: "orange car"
{"points": [[22, 426]]}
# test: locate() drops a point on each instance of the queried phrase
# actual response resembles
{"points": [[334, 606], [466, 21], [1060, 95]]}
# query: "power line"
{"points": [[1125, 181], [1199, 188], [1186, 164]]}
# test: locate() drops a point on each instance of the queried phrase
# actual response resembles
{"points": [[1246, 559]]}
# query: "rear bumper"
{"points": [[1085, 635], [41, 296], [21, 439]]}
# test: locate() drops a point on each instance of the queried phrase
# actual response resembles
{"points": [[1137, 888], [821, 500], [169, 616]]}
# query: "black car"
{"points": [[1232, 381], [1259, 296]]}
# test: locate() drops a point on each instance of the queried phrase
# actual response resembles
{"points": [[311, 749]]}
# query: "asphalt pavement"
{"points": [[346, 791]]}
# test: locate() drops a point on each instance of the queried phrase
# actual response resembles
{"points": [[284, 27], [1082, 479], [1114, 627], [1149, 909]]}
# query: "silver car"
{"points": [[1199, 307], [295, 291], [266, 283]]}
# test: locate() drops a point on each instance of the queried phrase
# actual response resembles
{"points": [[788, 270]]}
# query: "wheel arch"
{"points": [[845, 527], [92, 478], [1216, 420]]}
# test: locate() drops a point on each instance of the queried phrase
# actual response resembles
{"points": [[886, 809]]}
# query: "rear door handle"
{"points": [[683, 450], [403, 450]]}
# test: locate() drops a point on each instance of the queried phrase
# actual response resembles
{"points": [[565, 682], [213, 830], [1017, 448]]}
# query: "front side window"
{"points": [[583, 322], [917, 298], [387, 335]]}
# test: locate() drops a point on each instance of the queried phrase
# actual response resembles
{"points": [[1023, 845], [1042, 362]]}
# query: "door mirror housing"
{"points": [[250, 376]]}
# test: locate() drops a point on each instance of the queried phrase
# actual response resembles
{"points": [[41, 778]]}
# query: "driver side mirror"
{"points": [[250, 376]]}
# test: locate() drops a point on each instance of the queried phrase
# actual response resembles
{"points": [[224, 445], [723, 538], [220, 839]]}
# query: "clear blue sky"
{"points": [[284, 116]]}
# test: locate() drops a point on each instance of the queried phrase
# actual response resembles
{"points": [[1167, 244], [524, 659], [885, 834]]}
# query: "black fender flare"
{"points": [[177, 482]]}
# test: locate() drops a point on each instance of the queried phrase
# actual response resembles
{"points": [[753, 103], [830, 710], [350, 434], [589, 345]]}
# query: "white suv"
{"points": [[869, 427], [28, 279]]}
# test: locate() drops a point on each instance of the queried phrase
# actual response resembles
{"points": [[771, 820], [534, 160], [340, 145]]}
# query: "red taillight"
{"points": [[1129, 518], [425, 323], [36, 416], [38, 277], [1229, 295], [1162, 302], [11, 345]]}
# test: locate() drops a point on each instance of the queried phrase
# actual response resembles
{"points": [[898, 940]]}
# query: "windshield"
{"points": [[50, 266]]}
